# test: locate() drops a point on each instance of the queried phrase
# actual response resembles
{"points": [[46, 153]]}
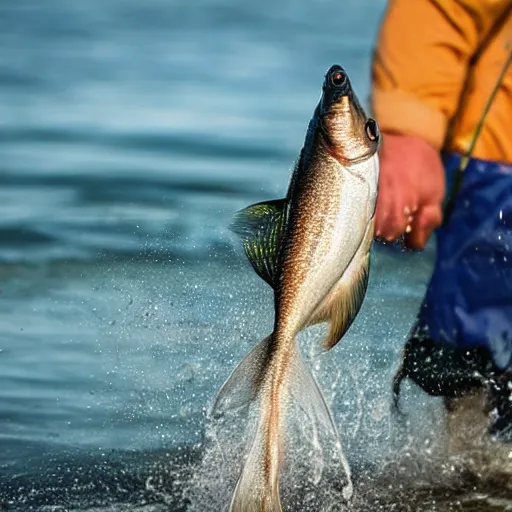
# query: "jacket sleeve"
{"points": [[423, 53]]}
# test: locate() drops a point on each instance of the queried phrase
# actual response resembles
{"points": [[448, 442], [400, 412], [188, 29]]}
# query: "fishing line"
{"points": [[457, 178]]}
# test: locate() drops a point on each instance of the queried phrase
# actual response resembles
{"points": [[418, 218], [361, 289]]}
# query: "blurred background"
{"points": [[130, 132]]}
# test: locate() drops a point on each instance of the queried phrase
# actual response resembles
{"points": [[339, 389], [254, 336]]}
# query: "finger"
{"points": [[397, 221], [410, 217], [390, 218], [401, 213], [416, 239], [382, 210], [426, 221]]}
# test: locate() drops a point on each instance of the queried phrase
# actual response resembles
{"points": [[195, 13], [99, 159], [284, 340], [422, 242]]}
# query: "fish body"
{"points": [[313, 248]]}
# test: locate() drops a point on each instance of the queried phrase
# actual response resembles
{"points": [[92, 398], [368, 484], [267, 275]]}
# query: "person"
{"points": [[435, 67]]}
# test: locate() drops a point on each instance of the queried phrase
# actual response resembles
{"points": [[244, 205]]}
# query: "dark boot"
{"points": [[442, 370]]}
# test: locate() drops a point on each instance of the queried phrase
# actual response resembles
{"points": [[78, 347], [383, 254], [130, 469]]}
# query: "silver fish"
{"points": [[313, 248]]}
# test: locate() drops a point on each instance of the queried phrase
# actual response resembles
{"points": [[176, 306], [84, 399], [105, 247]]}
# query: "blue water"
{"points": [[130, 132]]}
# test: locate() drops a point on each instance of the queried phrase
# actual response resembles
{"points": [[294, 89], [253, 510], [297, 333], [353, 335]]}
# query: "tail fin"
{"points": [[243, 385], [274, 377]]}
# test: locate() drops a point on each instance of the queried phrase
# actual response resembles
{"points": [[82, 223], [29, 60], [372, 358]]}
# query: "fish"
{"points": [[313, 248]]}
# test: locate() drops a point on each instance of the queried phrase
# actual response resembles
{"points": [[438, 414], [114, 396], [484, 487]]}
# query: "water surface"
{"points": [[129, 134]]}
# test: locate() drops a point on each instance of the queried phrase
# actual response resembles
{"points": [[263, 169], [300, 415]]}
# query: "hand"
{"points": [[411, 190]]}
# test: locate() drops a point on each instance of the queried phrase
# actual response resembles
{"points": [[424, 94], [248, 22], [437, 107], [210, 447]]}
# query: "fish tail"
{"points": [[260, 376], [243, 385], [274, 376], [257, 489]]}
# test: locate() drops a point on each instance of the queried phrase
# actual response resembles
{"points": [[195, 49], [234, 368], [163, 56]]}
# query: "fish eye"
{"points": [[338, 78], [372, 130]]}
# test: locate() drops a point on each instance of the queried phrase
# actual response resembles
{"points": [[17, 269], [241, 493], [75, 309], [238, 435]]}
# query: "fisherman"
{"points": [[442, 95]]}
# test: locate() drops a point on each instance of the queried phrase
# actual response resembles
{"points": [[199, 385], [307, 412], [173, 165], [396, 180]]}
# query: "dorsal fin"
{"points": [[260, 226]]}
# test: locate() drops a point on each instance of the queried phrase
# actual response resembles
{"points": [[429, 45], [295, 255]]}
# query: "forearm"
{"points": [[423, 53]]}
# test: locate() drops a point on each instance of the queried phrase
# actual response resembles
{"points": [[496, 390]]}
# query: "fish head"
{"points": [[349, 134]]}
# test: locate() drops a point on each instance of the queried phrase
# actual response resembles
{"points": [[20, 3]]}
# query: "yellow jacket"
{"points": [[434, 67]]}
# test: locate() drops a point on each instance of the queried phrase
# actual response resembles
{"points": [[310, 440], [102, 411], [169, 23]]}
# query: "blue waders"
{"points": [[463, 336]]}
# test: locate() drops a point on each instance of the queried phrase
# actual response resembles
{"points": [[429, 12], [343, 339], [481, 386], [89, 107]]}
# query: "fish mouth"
{"points": [[348, 132], [336, 90]]}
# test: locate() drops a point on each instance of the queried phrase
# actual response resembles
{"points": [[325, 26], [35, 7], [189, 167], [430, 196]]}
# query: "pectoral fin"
{"points": [[347, 302], [342, 304], [260, 227]]}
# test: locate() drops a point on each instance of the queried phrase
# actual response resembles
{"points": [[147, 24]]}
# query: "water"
{"points": [[129, 134]]}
